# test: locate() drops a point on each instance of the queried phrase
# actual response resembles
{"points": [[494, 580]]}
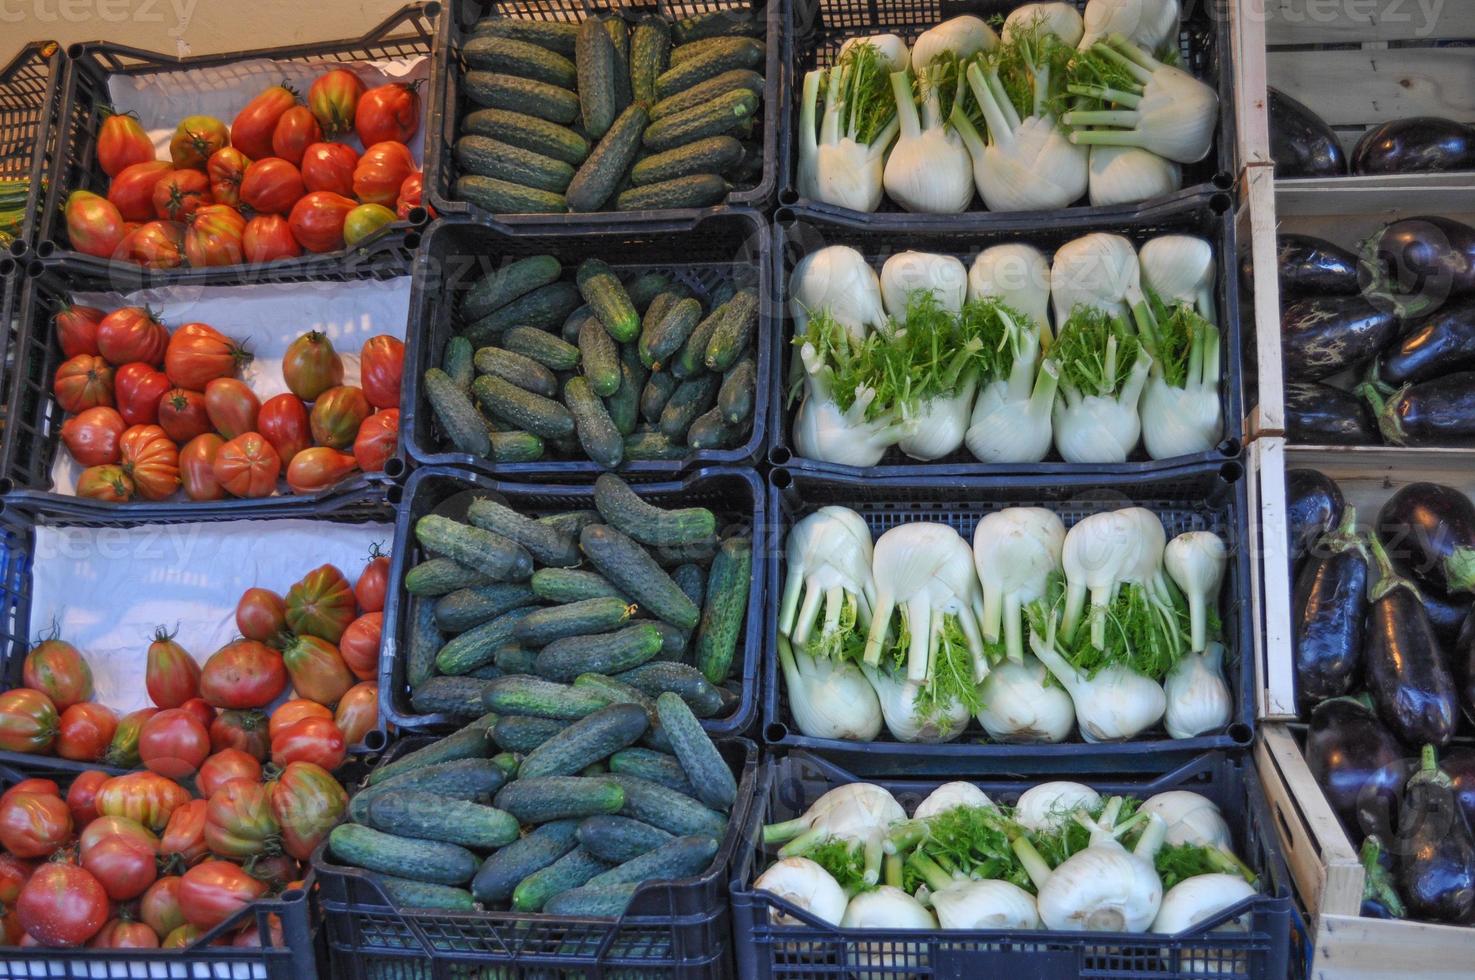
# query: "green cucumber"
{"points": [[625, 563], [477, 646], [471, 742], [598, 437], [505, 197], [698, 95], [567, 658], [624, 405], [424, 642], [520, 58], [659, 676], [456, 415], [522, 733], [717, 23], [658, 767], [658, 390], [544, 307], [541, 416], [660, 340], [547, 545], [585, 617], [522, 371], [625, 510], [732, 335], [616, 692], [572, 585], [485, 157], [512, 658], [739, 388], [541, 346], [419, 860], [493, 555], [594, 56], [485, 672], [461, 779], [409, 894], [590, 739], [572, 522], [646, 287], [569, 332], [600, 357], [514, 280], [673, 641], [524, 695], [711, 155], [616, 839], [608, 300], [551, 34], [661, 304], [728, 583], [690, 399], [711, 431], [647, 444], [736, 52], [679, 858], [650, 50], [544, 798], [459, 697], [699, 758], [692, 580], [516, 447], [495, 90], [502, 872], [585, 901], [428, 816], [694, 191], [676, 813], [619, 35], [466, 608], [528, 132], [568, 872], [599, 175], [457, 363], [724, 114], [691, 360]]}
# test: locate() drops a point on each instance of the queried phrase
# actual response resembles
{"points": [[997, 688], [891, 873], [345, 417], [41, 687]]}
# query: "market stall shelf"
{"points": [[30, 97]]}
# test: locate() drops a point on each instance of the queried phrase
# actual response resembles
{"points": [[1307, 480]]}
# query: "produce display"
{"points": [[1053, 110], [921, 633], [582, 364], [610, 114], [1303, 145], [929, 357], [14, 193]]}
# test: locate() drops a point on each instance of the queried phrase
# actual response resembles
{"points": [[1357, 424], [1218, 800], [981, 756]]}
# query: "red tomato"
{"points": [[131, 333], [296, 131], [82, 797], [337, 414], [283, 421], [376, 440], [197, 467], [319, 468], [106, 483], [179, 194], [250, 936], [45, 787], [388, 112], [329, 167], [110, 826], [159, 907], [171, 675], [85, 731], [333, 99], [213, 891], [272, 186], [268, 238], [311, 366], [251, 130], [360, 645], [231, 406], [261, 615], [28, 721], [137, 388], [173, 743], [363, 221], [289, 713], [380, 172], [122, 142], [320, 604], [76, 329], [358, 712], [146, 797], [122, 865], [132, 191], [243, 674], [307, 803], [92, 436], [198, 354], [123, 752], [315, 740], [62, 905], [317, 220], [182, 414], [238, 820], [183, 841], [200, 710], [214, 236], [373, 582], [13, 875], [183, 937], [34, 825], [151, 459], [225, 765], [242, 730], [83, 382], [123, 933], [195, 139], [226, 169], [247, 466], [157, 245], [411, 196], [94, 224], [277, 870], [317, 669]]}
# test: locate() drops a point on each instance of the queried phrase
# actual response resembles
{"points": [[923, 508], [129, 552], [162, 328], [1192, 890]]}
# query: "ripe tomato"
{"points": [[151, 459], [137, 388], [44, 787], [213, 891], [283, 421], [173, 743], [200, 710], [238, 820], [83, 382], [225, 765], [317, 669], [157, 245], [183, 841], [295, 132], [307, 803], [123, 752], [411, 194], [62, 905], [376, 439], [226, 168], [360, 645], [247, 466], [251, 130], [195, 139], [243, 674], [110, 826], [34, 825], [197, 467], [231, 406], [289, 713], [317, 220], [95, 226], [333, 98], [76, 329], [92, 436], [363, 221], [315, 740], [124, 867], [122, 142], [311, 366], [159, 907], [183, 937], [13, 875], [380, 172], [329, 167], [358, 712], [121, 933], [198, 354], [132, 333], [28, 721], [268, 238], [261, 615], [182, 414], [319, 468], [245, 730], [214, 236], [337, 414], [132, 191], [272, 186], [373, 582], [179, 194], [85, 731], [106, 483], [388, 112], [171, 675], [146, 797], [321, 604], [82, 797]]}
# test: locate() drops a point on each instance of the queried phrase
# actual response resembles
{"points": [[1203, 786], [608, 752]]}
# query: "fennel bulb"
{"points": [[1189, 818], [1195, 561], [1180, 269], [1181, 411], [1103, 370], [886, 908], [836, 280], [1046, 807], [1115, 705], [891, 49], [1020, 705], [928, 169], [1198, 697], [841, 162], [1152, 24], [942, 423], [1059, 19], [963, 36], [1099, 272], [1011, 420], [805, 885], [1016, 275], [908, 272], [1105, 887], [828, 554], [1016, 551], [1196, 900], [1128, 174], [912, 712], [949, 796], [829, 698], [856, 814], [826, 429], [984, 904]]}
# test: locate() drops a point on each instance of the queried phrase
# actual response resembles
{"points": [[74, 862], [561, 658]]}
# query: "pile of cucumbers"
{"points": [[610, 114], [550, 365]]}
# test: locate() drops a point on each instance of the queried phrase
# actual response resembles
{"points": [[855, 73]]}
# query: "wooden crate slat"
{"points": [[1358, 21], [1374, 85]]}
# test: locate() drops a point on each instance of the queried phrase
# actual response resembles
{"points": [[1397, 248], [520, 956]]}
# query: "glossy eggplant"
{"points": [[1358, 763], [1330, 610], [1431, 527], [1417, 264], [1462, 666], [1321, 415], [1403, 662], [1459, 765], [1437, 412], [1301, 143], [1314, 507], [1447, 613], [1434, 345], [1325, 335], [1310, 266], [1434, 848], [1415, 144], [1379, 897]]}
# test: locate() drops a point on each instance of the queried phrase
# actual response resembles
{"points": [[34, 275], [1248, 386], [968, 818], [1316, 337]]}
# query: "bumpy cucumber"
{"points": [[457, 416], [679, 858], [477, 646], [521, 371], [459, 697], [659, 676], [458, 362], [466, 608], [584, 617], [658, 390], [627, 511], [598, 436], [424, 643], [461, 779], [420, 860], [471, 742], [661, 807], [568, 872], [548, 545], [543, 798], [625, 563], [522, 733], [658, 767], [728, 584], [573, 585], [522, 695], [547, 349], [704, 766], [617, 839], [586, 741], [567, 658], [541, 416], [496, 90], [428, 816], [501, 873]]}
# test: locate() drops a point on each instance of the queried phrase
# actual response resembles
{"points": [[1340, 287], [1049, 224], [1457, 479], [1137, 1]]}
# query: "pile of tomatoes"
{"points": [[154, 411], [160, 856], [276, 182]]}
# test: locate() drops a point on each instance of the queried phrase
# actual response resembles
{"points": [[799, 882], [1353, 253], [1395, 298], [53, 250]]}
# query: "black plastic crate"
{"points": [[30, 94], [736, 496], [447, 106], [703, 251], [1207, 497], [32, 435], [673, 929], [816, 950], [820, 27], [85, 98], [1209, 216]]}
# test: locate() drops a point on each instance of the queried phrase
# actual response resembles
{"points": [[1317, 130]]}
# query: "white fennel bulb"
{"points": [[1047, 807], [910, 715], [804, 885], [1103, 888], [1012, 418], [1164, 108], [1015, 552], [941, 424], [829, 698], [842, 153], [1060, 19], [908, 272], [1198, 697], [984, 904], [888, 909], [1182, 421], [1020, 705], [1128, 174], [1196, 900], [1016, 275], [892, 50], [928, 169], [828, 557], [1189, 818], [1098, 271], [950, 796], [837, 280], [1150, 23], [825, 432], [855, 813], [1195, 560], [1180, 269], [1117, 558], [1181, 409], [964, 36], [1115, 705], [1103, 371]]}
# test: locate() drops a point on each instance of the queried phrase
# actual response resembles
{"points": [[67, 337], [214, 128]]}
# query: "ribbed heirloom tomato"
{"points": [[106, 483], [34, 784], [173, 743], [376, 439], [388, 112], [213, 891], [83, 382], [197, 467], [243, 729], [85, 731], [123, 752], [358, 712], [200, 710], [373, 582], [319, 468], [122, 142], [337, 414], [239, 822], [295, 132], [106, 826], [182, 414], [132, 333], [329, 167], [76, 328], [151, 459], [289, 713], [123, 865], [214, 236], [28, 721], [91, 436], [159, 907], [315, 740], [33, 825], [171, 675], [271, 186], [251, 130], [243, 674], [307, 802], [94, 224], [360, 645], [157, 245], [231, 406], [137, 388], [146, 797], [380, 172], [247, 466], [311, 366], [225, 765], [182, 843], [317, 669], [132, 191], [180, 193], [261, 615], [267, 238], [317, 220], [195, 139], [283, 421], [198, 354], [410, 195], [226, 169], [333, 98], [121, 933], [62, 905], [82, 798], [321, 604], [363, 221]]}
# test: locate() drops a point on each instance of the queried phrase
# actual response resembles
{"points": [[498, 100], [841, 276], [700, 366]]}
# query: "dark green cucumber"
{"points": [[695, 191], [598, 437], [615, 839], [505, 197], [569, 332], [495, 90], [466, 608], [594, 56], [441, 576], [712, 155], [603, 901], [739, 388], [513, 658], [717, 23], [600, 357], [661, 304], [625, 510], [608, 300], [660, 340], [646, 287], [477, 646], [653, 397], [471, 742], [703, 93], [522, 733], [724, 114], [544, 308], [525, 695], [568, 872], [520, 58], [733, 334], [410, 894], [658, 767], [676, 813], [491, 554], [599, 175], [567, 658], [728, 583], [572, 522], [544, 798], [515, 279], [516, 447], [522, 371], [551, 34], [586, 741], [487, 157], [548, 545], [625, 563], [459, 697], [659, 676], [737, 52], [691, 360], [457, 362], [502, 872], [486, 672], [645, 444], [616, 692], [692, 580], [699, 758], [673, 641], [533, 413], [529, 132], [424, 642], [679, 858], [711, 431], [419, 860], [542, 346], [429, 816], [585, 617], [624, 405], [573, 585], [461, 779], [650, 51], [690, 399], [456, 415], [619, 35]]}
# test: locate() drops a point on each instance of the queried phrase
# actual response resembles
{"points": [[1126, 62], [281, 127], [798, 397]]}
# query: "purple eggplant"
{"points": [[1314, 507], [1379, 897], [1417, 144], [1447, 613], [1325, 335], [1320, 415], [1310, 266], [1403, 662], [1330, 609], [1358, 763], [1416, 264], [1462, 665], [1434, 850], [1301, 143], [1459, 765], [1438, 412], [1434, 345], [1431, 527]]}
